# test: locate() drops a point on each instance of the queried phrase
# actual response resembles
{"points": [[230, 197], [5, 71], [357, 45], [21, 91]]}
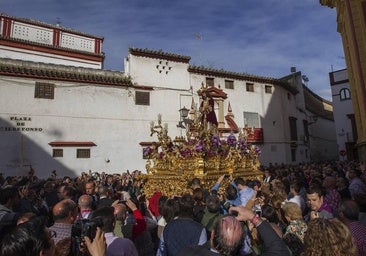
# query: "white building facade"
{"points": [[72, 117], [343, 115]]}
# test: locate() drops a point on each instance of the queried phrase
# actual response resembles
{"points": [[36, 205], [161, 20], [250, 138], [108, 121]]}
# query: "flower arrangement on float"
{"points": [[211, 147]]}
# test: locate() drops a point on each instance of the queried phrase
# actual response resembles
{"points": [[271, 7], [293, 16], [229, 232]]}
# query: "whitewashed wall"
{"points": [[342, 108], [109, 117], [12, 53]]}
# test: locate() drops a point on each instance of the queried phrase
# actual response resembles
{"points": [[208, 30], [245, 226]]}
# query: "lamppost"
{"points": [[183, 112]]}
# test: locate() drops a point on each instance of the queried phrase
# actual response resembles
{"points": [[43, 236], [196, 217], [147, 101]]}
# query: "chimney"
{"points": [[293, 69]]}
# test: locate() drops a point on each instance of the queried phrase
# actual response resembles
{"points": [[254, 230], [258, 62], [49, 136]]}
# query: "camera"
{"points": [[257, 210], [226, 176], [86, 227], [227, 205]]}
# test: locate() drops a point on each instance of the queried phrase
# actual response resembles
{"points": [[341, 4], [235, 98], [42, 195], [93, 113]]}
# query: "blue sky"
{"points": [[264, 37]]}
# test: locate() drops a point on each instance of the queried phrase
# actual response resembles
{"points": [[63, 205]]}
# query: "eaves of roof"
{"points": [[72, 144], [29, 69], [159, 55], [316, 104], [241, 76]]}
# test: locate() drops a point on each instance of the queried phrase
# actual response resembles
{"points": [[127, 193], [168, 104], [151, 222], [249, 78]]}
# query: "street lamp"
{"points": [[183, 112], [183, 117]]}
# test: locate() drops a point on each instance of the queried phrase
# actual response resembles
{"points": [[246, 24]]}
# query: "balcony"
{"points": [[255, 135]]}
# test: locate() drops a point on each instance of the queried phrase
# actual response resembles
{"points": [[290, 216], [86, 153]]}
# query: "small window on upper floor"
{"points": [[250, 87], [268, 89], [83, 153], [58, 152], [44, 91], [142, 98], [344, 94], [229, 84], [251, 119], [288, 96], [293, 128], [209, 81]]}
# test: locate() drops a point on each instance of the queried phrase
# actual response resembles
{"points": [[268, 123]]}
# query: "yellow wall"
{"points": [[351, 19]]}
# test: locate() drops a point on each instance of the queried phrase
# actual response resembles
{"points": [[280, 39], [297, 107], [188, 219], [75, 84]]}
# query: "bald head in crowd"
{"points": [[85, 202], [65, 211], [227, 236]]}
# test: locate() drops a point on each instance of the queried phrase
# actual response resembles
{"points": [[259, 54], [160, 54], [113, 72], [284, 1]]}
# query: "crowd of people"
{"points": [[306, 209]]}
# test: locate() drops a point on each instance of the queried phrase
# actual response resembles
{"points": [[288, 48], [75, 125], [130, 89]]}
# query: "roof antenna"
{"points": [[58, 21]]}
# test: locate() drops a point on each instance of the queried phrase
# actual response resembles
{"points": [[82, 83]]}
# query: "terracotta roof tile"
{"points": [[31, 69], [241, 76], [159, 55], [317, 105], [72, 144]]}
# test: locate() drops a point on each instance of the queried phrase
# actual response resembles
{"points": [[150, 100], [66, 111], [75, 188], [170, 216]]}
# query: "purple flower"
{"points": [[231, 140], [185, 153], [242, 145], [191, 142], [200, 146], [215, 142], [257, 150]]}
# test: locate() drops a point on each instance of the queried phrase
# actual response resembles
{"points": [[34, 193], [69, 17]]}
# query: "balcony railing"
{"points": [[255, 135]]}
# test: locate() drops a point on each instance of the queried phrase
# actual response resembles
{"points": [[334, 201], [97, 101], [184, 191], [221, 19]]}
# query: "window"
{"points": [[293, 154], [251, 119], [142, 98], [44, 91], [229, 84], [250, 87], [344, 94], [288, 96], [268, 89], [293, 128], [273, 148], [82, 153], [306, 130], [209, 81], [57, 152]]}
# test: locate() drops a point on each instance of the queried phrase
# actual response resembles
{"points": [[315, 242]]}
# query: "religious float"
{"points": [[205, 152]]}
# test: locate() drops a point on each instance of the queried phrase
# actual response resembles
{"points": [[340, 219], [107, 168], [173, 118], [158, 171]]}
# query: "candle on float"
{"points": [[159, 118]]}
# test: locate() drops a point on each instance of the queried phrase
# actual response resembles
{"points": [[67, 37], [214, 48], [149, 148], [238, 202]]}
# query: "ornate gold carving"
{"points": [[172, 164]]}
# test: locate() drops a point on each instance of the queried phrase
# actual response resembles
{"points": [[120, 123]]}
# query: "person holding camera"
{"points": [[272, 243], [33, 238], [231, 197], [115, 245], [130, 222]]}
